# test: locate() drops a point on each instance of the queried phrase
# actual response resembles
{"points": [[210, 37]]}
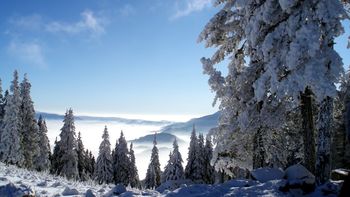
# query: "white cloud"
{"points": [[88, 23], [190, 7], [30, 53]]}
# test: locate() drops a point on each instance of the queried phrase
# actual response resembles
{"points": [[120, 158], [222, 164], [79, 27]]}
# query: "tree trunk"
{"points": [[308, 131], [258, 152], [324, 125]]}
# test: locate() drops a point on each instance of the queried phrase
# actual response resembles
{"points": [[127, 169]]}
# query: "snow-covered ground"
{"points": [[15, 182]]}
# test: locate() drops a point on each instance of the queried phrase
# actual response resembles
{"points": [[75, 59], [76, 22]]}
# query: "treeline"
{"points": [[23, 139], [24, 143]]}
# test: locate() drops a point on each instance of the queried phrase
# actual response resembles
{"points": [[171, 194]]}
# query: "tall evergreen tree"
{"points": [[82, 159], [91, 163], [192, 167], [11, 151], [200, 156], [42, 162], [208, 168], [56, 165], [68, 147], [291, 63], [134, 180], [104, 171], [174, 169], [30, 129], [121, 161], [153, 175], [2, 112], [2, 107]]}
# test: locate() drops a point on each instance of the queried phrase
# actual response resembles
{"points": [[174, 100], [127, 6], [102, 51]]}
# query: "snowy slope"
{"points": [[202, 124], [47, 185], [161, 138]]}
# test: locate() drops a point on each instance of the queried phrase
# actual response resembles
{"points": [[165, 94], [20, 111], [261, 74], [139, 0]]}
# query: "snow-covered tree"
{"points": [[56, 165], [30, 129], [208, 177], [121, 161], [11, 151], [91, 163], [174, 170], [68, 148], [192, 170], [42, 162], [153, 175], [340, 144], [134, 180], [1, 106], [104, 171], [82, 159], [289, 46], [200, 157]]}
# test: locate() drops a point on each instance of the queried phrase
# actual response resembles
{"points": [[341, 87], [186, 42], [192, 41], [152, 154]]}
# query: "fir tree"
{"points": [[2, 106], [30, 129], [68, 147], [43, 160], [104, 171], [289, 67], [153, 175], [82, 159], [200, 158], [92, 163], [174, 170], [192, 167], [56, 165], [208, 169], [11, 151], [134, 180], [121, 161]]}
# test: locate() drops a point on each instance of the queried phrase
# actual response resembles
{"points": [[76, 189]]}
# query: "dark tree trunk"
{"points": [[325, 125], [259, 151], [308, 130]]}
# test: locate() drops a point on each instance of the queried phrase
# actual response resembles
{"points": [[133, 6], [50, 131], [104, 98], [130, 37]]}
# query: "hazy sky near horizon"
{"points": [[111, 56]]}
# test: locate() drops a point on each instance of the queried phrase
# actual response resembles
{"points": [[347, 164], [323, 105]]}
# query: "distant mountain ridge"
{"points": [[161, 138], [202, 124], [52, 116]]}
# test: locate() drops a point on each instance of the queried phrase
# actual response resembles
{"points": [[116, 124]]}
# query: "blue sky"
{"points": [[110, 56]]}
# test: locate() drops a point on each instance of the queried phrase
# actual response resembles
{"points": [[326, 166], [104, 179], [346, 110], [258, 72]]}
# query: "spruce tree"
{"points": [[68, 147], [153, 175], [104, 171], [92, 163], [30, 129], [200, 160], [292, 64], [134, 180], [42, 162], [208, 168], [82, 159], [56, 165], [11, 151], [1, 106], [121, 161], [192, 168], [174, 170]]}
